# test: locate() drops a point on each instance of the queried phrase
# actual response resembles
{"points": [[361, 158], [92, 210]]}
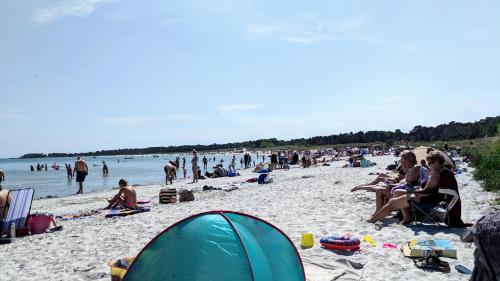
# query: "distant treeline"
{"points": [[445, 132]]}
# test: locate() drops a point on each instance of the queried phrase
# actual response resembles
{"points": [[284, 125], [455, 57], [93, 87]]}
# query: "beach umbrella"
{"points": [[218, 245], [422, 151]]}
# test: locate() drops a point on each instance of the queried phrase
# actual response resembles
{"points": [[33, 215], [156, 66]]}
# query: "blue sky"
{"points": [[86, 75]]}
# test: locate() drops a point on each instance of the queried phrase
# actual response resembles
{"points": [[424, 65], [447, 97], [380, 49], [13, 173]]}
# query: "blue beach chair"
{"points": [[17, 209]]}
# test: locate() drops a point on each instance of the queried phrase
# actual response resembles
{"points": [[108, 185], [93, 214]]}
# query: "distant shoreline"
{"points": [[452, 131]]}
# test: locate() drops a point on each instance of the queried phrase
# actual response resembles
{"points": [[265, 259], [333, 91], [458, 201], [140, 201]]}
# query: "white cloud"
{"points": [[77, 8], [230, 108], [308, 29]]}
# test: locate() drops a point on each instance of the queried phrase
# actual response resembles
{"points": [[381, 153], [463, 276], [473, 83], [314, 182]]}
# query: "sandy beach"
{"points": [[316, 200]]}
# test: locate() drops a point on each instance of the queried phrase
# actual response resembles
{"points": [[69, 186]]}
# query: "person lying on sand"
{"points": [[125, 197], [439, 178]]}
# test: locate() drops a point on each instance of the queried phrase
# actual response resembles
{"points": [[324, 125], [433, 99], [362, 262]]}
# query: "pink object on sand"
{"points": [[390, 246], [143, 201], [40, 223]]}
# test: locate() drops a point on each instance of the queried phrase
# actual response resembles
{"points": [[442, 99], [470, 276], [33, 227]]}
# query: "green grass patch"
{"points": [[486, 161], [496, 201]]}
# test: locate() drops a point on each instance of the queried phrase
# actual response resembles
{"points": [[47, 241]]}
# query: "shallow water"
{"points": [[142, 170]]}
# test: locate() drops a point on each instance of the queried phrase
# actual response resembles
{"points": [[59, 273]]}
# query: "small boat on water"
{"points": [[128, 158]]}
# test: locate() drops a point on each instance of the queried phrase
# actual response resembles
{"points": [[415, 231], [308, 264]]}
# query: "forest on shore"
{"points": [[489, 126]]}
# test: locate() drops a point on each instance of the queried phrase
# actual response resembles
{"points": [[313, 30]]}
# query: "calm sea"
{"points": [[142, 169]]}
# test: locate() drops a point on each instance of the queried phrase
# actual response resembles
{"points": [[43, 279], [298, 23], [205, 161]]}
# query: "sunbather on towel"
{"points": [[125, 198], [436, 179]]}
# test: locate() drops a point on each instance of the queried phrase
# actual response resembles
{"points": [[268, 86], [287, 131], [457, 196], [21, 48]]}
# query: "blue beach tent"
{"points": [[219, 245]]}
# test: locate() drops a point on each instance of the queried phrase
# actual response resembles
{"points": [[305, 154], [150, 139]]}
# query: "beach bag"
{"points": [[186, 195], [168, 195], [40, 223]]}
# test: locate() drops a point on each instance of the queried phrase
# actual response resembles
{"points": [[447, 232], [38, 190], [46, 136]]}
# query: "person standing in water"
{"points": [[205, 162], [233, 163], [194, 163], [105, 169], [82, 170], [68, 171]]}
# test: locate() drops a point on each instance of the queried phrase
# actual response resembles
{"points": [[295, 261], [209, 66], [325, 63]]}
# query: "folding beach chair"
{"points": [[17, 209], [433, 213]]}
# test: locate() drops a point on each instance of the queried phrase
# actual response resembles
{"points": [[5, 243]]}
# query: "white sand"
{"points": [[321, 204]]}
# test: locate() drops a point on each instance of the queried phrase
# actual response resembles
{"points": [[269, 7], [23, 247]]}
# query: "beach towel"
{"points": [[143, 201], [125, 212], [425, 248], [80, 215]]}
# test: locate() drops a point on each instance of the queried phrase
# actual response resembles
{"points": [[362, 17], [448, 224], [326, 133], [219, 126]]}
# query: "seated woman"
{"points": [[416, 177], [125, 198], [439, 178], [406, 164]]}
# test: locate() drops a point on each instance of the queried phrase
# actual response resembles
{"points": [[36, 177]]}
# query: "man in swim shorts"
{"points": [[82, 170]]}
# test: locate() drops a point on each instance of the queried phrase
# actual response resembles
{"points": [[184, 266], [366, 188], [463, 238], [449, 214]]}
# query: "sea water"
{"points": [[137, 169]]}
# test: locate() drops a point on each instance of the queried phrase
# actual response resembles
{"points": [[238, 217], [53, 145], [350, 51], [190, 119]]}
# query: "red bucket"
{"points": [[40, 223]]}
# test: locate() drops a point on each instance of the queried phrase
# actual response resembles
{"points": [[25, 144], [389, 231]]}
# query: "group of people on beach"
{"points": [[417, 182]]}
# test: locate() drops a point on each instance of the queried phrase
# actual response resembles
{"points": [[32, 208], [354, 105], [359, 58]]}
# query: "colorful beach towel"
{"points": [[125, 212], [424, 248]]}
